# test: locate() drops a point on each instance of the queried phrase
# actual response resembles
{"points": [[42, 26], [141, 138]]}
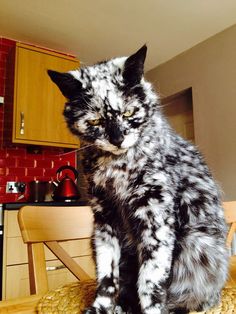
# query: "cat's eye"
{"points": [[128, 113], [94, 122]]}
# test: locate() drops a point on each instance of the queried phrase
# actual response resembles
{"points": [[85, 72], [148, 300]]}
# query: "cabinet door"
{"points": [[17, 276], [38, 103], [16, 252], [17, 282]]}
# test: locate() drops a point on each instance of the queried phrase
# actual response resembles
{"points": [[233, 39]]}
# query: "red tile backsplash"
{"points": [[46, 163], [26, 163], [16, 163]]}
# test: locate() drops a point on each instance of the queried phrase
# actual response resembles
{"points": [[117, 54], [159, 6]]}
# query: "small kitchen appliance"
{"points": [[37, 191], [65, 187]]}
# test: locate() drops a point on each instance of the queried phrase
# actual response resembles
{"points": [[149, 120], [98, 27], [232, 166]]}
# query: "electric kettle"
{"points": [[65, 187]]}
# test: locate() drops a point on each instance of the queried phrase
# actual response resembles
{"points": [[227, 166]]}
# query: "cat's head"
{"points": [[109, 102]]}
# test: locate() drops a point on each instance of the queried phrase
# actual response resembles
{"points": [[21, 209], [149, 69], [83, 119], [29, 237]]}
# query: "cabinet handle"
{"points": [[52, 268], [22, 123]]}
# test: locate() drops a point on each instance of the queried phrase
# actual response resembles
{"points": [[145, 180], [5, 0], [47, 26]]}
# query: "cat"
{"points": [[159, 228]]}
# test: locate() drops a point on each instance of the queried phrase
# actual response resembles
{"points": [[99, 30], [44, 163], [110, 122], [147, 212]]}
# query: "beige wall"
{"points": [[210, 69]]}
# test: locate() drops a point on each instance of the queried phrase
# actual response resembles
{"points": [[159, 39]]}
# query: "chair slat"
{"points": [[37, 269], [65, 258]]}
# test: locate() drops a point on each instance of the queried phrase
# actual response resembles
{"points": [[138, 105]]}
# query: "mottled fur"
{"points": [[159, 231]]}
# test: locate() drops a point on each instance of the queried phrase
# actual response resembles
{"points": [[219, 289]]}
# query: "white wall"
{"points": [[210, 69]]}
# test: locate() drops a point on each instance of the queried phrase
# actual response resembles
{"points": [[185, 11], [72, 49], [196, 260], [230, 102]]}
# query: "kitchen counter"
{"points": [[18, 205]]}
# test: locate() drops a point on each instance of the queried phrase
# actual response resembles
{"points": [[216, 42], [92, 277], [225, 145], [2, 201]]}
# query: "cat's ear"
{"points": [[68, 85], [133, 67]]}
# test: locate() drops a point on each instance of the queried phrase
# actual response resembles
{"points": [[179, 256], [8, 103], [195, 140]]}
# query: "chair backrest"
{"points": [[50, 225], [230, 216]]}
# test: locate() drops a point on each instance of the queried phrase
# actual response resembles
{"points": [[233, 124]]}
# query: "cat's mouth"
{"points": [[129, 141], [108, 147], [119, 151]]}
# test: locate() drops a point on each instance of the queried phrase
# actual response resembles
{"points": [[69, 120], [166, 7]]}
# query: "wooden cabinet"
{"points": [[38, 103], [15, 262]]}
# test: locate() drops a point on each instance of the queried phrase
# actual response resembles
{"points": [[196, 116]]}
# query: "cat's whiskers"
{"points": [[76, 150]]}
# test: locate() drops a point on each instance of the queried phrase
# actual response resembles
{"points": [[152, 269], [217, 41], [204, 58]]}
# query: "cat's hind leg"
{"points": [[200, 269]]}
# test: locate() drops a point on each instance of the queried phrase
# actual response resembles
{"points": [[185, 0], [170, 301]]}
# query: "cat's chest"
{"points": [[113, 176]]}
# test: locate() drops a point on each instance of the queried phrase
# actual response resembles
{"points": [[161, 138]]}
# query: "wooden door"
{"points": [[38, 104], [179, 111]]}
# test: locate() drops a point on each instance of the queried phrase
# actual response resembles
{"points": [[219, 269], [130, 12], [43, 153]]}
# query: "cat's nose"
{"points": [[117, 140], [116, 136]]}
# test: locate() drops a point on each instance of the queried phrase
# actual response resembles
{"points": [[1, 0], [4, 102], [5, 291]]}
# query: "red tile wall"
{"points": [[16, 162]]}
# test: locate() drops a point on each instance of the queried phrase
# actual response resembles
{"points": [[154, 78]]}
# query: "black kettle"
{"points": [[65, 187]]}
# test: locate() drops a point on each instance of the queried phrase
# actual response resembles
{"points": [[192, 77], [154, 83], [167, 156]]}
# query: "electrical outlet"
{"points": [[12, 187], [1, 100]]}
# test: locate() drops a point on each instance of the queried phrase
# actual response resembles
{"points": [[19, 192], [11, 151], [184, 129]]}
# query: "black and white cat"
{"points": [[159, 231]]}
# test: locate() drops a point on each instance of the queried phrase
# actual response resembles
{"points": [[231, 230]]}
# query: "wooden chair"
{"points": [[230, 216], [48, 225], [44, 225]]}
